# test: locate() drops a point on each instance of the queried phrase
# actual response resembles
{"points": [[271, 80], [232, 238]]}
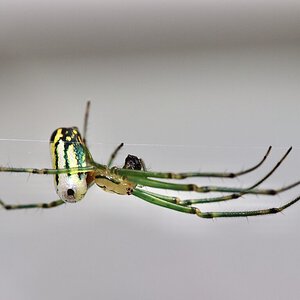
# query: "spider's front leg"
{"points": [[143, 178], [171, 175], [207, 189], [227, 197]]}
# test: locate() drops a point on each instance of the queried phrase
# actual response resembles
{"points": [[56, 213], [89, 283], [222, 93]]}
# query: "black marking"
{"points": [[67, 165], [53, 136], [35, 171], [79, 152], [194, 210], [70, 192], [107, 178], [274, 210], [207, 215], [132, 162], [56, 160], [204, 189], [186, 202], [192, 187], [129, 191]]}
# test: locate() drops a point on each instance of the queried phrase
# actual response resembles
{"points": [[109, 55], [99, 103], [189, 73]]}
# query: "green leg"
{"points": [[149, 197], [48, 171], [169, 175], [114, 154], [170, 199], [33, 205], [221, 198], [208, 200], [158, 201], [250, 213], [231, 196], [187, 202], [206, 189]]}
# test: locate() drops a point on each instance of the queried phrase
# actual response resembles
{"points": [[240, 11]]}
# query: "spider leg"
{"points": [[114, 154], [48, 171], [231, 196], [32, 205], [170, 199], [187, 202], [131, 162], [184, 175], [85, 123], [247, 213], [206, 189], [169, 175], [158, 200]]}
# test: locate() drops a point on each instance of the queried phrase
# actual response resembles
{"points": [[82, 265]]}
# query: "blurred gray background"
{"points": [[187, 85]]}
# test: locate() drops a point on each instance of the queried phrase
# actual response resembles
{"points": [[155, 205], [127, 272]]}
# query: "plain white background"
{"points": [[188, 86]]}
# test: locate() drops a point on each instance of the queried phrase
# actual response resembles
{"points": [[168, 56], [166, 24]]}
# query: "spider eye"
{"points": [[70, 192]]}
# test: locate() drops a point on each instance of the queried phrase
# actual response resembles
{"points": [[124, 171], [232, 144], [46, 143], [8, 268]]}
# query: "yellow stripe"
{"points": [[58, 135]]}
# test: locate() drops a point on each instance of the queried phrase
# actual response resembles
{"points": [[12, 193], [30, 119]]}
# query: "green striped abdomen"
{"points": [[67, 151]]}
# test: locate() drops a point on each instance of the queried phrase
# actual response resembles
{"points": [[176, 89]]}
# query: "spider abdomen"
{"points": [[67, 151]]}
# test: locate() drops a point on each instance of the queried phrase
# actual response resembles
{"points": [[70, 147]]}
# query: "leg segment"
{"points": [[32, 205], [158, 201], [187, 202], [207, 189], [131, 162], [114, 154], [168, 175], [85, 123], [150, 197], [48, 171], [237, 214], [144, 181], [231, 196], [170, 199]]}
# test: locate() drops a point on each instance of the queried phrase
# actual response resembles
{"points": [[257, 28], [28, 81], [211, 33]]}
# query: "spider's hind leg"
{"points": [[249, 213], [167, 202], [32, 205]]}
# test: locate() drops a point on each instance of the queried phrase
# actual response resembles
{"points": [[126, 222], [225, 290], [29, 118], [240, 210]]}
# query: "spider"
{"points": [[75, 171]]}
